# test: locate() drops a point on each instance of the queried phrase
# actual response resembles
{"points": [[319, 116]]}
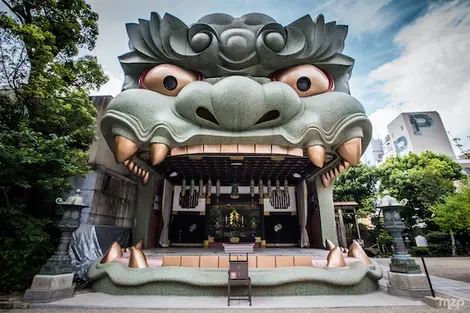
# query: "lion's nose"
{"points": [[238, 103]]}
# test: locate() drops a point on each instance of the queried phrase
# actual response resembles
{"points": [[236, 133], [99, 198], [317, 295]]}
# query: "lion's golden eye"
{"points": [[307, 80], [167, 79]]}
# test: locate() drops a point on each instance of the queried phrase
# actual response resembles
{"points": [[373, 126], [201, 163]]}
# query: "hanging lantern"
{"points": [[278, 188], [252, 187], [191, 187], [269, 187], [209, 188], [286, 188], [261, 189], [217, 188], [183, 188], [234, 194], [201, 187]]}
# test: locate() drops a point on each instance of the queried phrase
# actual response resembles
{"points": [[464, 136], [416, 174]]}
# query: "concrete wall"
{"points": [[114, 200]]}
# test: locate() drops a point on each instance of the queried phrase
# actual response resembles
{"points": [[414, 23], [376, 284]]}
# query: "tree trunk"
{"points": [[452, 238]]}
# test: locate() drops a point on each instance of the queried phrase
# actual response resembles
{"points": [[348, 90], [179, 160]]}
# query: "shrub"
{"points": [[439, 244], [25, 245], [419, 251]]}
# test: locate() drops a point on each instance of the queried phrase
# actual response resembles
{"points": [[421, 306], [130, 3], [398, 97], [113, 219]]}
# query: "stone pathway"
{"points": [[445, 286]]}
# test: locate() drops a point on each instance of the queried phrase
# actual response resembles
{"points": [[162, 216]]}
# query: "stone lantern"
{"points": [[401, 283], [55, 280], [401, 261]]}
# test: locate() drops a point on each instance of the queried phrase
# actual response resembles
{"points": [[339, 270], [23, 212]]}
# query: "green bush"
{"points": [[25, 244], [419, 251], [439, 244]]}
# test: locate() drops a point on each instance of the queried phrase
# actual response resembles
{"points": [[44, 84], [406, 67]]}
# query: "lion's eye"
{"points": [[307, 80], [167, 79]]}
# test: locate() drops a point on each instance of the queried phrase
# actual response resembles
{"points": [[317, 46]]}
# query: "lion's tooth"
{"points": [[135, 170], [341, 168], [316, 155], [332, 174], [228, 148], [114, 252], [356, 251], [137, 258], [351, 150], [337, 172], [279, 149], [124, 148], [178, 150], [263, 149], [130, 166], [211, 148], [158, 152], [296, 152], [139, 245], [329, 245], [246, 148], [346, 165], [335, 258], [324, 180], [146, 178], [194, 149]]}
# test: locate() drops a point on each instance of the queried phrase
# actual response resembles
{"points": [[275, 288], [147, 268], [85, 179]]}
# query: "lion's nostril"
{"points": [[206, 114], [270, 116]]}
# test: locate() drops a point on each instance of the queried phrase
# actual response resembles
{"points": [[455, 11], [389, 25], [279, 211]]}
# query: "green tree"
{"points": [[46, 123], [420, 179], [358, 184], [453, 213], [46, 117]]}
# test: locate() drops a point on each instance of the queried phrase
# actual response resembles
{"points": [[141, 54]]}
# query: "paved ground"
{"points": [[457, 268], [100, 300], [409, 309]]}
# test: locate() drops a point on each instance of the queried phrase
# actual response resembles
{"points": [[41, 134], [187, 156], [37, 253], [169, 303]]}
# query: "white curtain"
{"points": [[166, 212], [302, 195]]}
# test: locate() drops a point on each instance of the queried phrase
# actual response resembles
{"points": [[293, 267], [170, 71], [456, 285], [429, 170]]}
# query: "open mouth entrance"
{"points": [[216, 197]]}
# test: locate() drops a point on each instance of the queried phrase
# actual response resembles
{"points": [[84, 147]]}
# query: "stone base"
{"points": [[47, 288], [413, 286], [403, 263]]}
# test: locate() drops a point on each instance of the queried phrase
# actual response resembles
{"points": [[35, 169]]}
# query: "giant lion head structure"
{"points": [[245, 82]]}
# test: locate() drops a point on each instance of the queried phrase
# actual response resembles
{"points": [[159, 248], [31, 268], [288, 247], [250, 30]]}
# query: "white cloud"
{"points": [[112, 87], [433, 71]]}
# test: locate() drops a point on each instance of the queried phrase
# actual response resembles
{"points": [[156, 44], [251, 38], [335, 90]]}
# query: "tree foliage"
{"points": [[420, 179], [46, 123], [453, 213], [46, 116], [357, 184]]}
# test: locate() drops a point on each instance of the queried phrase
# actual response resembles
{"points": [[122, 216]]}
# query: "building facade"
{"points": [[417, 132]]}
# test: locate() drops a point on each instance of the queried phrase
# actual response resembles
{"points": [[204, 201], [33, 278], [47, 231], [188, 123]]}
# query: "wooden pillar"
{"points": [[342, 229], [205, 243], [357, 226], [262, 227]]}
